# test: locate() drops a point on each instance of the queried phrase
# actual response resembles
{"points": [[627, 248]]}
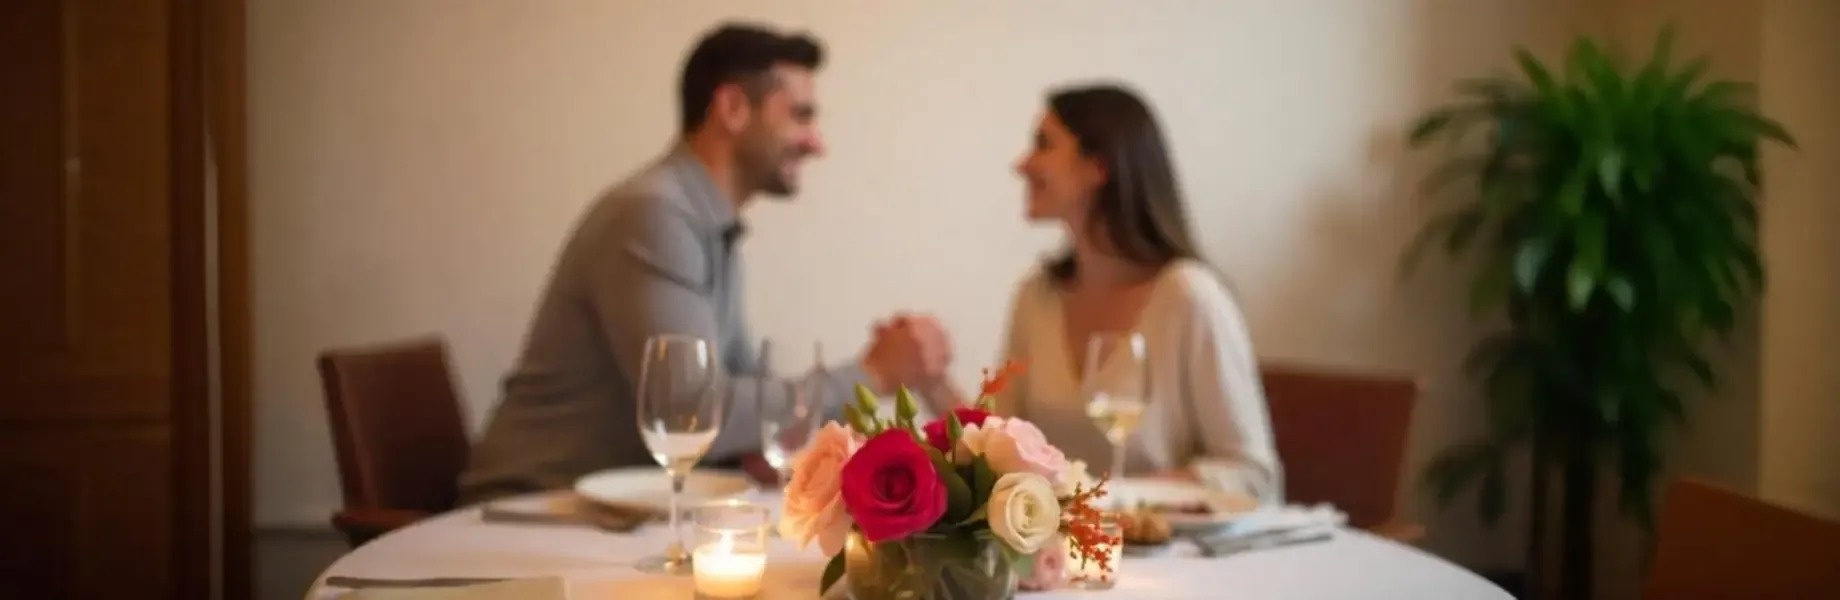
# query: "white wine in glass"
{"points": [[1116, 383], [680, 413]]}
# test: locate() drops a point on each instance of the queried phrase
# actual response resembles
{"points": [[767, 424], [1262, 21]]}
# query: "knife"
{"points": [[1262, 541], [620, 523], [354, 583]]}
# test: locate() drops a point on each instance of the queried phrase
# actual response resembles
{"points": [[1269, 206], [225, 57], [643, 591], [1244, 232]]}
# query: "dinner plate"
{"points": [[650, 488], [1224, 507]]}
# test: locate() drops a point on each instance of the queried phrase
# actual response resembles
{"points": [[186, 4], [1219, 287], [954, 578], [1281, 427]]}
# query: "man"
{"points": [[656, 255]]}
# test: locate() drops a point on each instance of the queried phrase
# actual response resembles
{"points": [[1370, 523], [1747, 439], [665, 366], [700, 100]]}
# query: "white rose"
{"points": [[1023, 511]]}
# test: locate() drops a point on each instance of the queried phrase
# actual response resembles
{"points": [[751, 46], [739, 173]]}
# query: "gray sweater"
{"points": [[654, 255]]}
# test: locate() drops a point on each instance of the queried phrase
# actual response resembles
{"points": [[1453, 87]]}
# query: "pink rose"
{"points": [[1017, 446], [1050, 566], [814, 498]]}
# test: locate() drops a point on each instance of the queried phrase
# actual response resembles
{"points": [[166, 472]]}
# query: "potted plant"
{"points": [[1611, 213], [969, 507]]}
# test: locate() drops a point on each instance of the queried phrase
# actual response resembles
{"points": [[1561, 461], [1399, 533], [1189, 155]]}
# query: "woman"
{"points": [[1100, 169]]}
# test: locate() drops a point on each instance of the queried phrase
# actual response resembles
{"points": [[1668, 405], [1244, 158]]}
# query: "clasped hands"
{"points": [[910, 350]]}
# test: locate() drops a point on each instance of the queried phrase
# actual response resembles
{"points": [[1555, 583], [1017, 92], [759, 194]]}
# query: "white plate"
{"points": [[1226, 507], [650, 487]]}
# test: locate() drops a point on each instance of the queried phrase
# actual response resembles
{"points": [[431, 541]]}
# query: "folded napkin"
{"points": [[536, 588], [1286, 518]]}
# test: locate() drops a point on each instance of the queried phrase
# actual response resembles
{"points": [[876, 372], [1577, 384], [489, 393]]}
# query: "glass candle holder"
{"points": [[730, 556], [1089, 574]]}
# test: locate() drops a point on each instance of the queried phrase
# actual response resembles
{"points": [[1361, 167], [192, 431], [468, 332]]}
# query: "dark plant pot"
{"points": [[927, 567]]}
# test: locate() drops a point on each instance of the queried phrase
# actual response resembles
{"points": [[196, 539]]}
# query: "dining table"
{"points": [[595, 563]]}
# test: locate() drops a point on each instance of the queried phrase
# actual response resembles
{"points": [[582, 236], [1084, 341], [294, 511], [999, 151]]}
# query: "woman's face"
{"points": [[1061, 180]]}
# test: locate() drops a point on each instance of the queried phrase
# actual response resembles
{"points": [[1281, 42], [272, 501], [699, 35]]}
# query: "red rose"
{"points": [[891, 488], [936, 430]]}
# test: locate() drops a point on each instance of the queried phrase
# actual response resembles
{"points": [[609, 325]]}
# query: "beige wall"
{"points": [[415, 164], [1801, 323]]}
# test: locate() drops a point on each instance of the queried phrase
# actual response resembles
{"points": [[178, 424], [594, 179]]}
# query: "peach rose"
{"points": [[976, 439], [814, 498]]}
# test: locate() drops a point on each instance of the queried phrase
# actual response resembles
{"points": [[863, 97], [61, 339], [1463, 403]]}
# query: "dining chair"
{"points": [[1341, 437], [1716, 543], [397, 432]]}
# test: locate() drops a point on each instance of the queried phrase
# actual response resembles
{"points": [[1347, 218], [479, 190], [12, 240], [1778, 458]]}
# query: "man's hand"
{"points": [[908, 350]]}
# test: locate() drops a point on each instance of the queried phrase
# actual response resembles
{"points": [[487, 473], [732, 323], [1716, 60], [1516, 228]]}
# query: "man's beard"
{"points": [[763, 167]]}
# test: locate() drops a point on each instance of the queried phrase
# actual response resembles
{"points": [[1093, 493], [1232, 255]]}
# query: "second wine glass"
{"points": [[680, 414], [1116, 386], [791, 410]]}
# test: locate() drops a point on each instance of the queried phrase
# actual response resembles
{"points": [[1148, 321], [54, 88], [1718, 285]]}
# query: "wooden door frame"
{"points": [[211, 385]]}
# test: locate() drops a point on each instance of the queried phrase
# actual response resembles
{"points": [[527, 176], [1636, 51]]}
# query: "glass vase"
{"points": [[928, 567]]}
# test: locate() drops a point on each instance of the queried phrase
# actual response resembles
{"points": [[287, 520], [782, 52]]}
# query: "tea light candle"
{"points": [[722, 571], [1087, 574]]}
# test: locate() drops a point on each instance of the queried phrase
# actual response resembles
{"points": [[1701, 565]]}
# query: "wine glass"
{"points": [[1117, 388], [680, 413], [790, 411]]}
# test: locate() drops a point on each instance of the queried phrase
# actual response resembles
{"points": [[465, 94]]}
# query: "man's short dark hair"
{"points": [[739, 52]]}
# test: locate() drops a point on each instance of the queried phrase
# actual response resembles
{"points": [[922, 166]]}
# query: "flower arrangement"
{"points": [[958, 507]]}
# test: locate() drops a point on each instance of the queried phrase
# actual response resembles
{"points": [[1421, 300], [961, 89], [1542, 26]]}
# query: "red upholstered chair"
{"points": [[397, 431], [1342, 439], [1715, 543]]}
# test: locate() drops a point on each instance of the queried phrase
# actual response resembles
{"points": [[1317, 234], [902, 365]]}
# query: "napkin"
{"points": [[536, 588], [1292, 517]]}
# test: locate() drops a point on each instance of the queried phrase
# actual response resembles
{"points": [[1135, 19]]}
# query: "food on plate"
{"points": [[1192, 507], [1146, 528]]}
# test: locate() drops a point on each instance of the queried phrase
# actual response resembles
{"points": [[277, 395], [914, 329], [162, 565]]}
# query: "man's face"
{"points": [[781, 134]]}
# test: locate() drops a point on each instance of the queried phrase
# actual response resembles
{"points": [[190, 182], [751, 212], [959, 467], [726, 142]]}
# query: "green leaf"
{"points": [[982, 513], [958, 493], [1490, 288], [1571, 193], [1529, 259], [1431, 124], [1699, 366], [833, 571], [1455, 467], [1023, 565], [983, 480], [1588, 265], [1621, 291], [1435, 229], [1535, 71], [1483, 357], [955, 431], [1671, 406], [1580, 282], [1610, 175]]}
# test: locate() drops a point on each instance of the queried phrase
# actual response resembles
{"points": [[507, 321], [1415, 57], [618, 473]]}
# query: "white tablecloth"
{"points": [[596, 564]]}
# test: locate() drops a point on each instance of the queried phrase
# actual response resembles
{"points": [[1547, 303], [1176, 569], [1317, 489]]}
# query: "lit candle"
{"points": [[723, 572], [1087, 574]]}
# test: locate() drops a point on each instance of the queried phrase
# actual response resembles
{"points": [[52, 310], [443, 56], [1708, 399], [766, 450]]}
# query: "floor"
{"points": [[288, 560]]}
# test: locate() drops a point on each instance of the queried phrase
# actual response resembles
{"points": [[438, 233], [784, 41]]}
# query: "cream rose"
{"points": [[1017, 446], [1072, 477], [975, 440], [814, 498], [1023, 511]]}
